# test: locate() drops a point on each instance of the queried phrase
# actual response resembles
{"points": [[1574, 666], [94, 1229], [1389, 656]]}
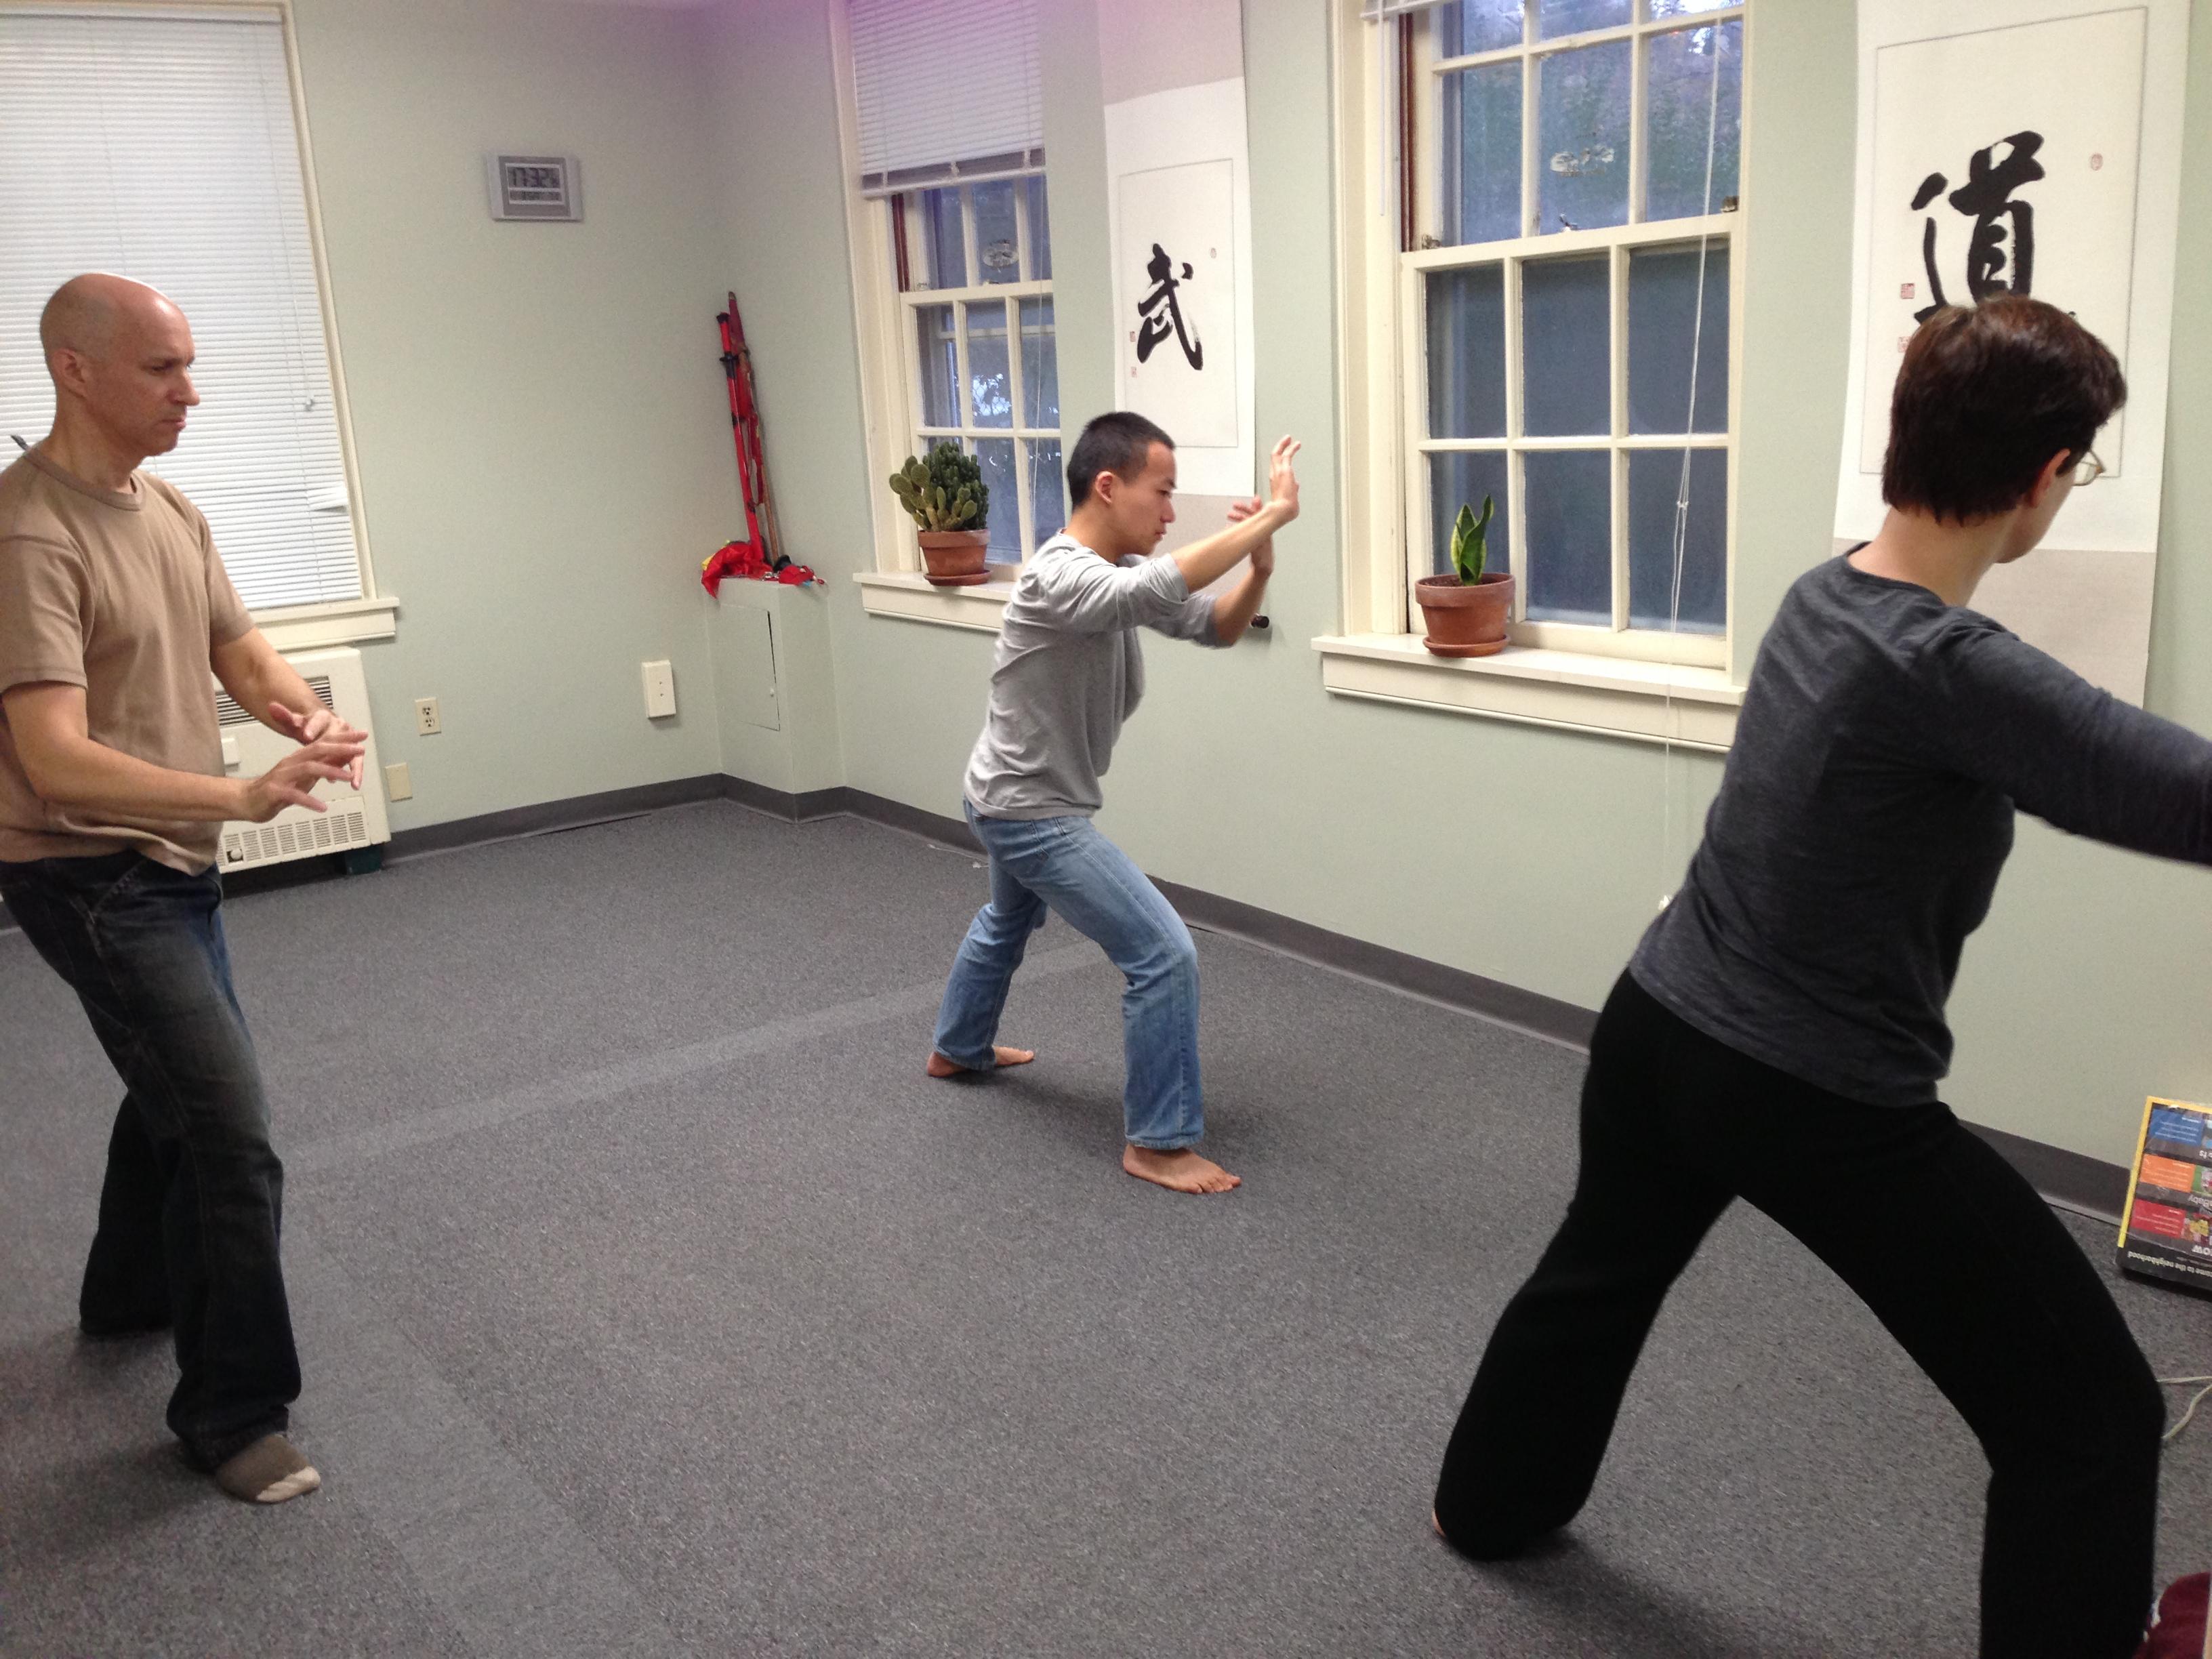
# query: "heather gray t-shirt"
{"points": [[1067, 672], [1867, 808]]}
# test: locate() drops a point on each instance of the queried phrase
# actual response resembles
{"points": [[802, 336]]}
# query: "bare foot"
{"points": [[940, 1067], [1179, 1171]]}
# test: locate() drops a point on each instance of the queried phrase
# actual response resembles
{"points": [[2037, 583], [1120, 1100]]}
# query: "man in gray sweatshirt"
{"points": [[1067, 673]]}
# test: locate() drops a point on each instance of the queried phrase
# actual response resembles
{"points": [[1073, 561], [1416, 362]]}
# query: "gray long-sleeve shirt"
{"points": [[1068, 672], [1866, 811]]}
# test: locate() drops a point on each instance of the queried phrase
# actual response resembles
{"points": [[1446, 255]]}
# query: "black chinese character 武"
{"points": [[1156, 325]]}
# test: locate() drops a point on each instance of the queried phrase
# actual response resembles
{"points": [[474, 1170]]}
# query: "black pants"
{"points": [[1942, 1238], [193, 1199]]}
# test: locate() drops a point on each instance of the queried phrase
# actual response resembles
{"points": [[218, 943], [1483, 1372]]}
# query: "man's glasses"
{"points": [[2087, 470]]}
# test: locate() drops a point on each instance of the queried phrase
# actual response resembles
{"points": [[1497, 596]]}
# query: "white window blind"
{"points": [[164, 149], [943, 82]]}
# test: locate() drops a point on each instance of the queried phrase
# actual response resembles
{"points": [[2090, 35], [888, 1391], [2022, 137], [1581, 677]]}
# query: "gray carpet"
{"points": [[651, 1303]]}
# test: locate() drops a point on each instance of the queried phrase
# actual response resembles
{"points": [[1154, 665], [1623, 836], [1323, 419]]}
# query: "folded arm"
{"points": [[47, 721]]}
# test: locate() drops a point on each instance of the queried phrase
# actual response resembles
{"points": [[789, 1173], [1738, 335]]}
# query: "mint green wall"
{"points": [[1242, 777], [544, 459], [544, 447]]}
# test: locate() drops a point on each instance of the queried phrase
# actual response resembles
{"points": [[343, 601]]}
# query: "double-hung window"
{"points": [[163, 144], [1559, 182], [973, 268], [952, 253]]}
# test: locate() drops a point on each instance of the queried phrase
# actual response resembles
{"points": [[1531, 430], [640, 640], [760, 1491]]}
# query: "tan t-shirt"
{"points": [[120, 593]]}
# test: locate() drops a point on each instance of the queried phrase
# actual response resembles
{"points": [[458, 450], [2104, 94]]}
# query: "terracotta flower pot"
{"points": [[1464, 621], [954, 559]]}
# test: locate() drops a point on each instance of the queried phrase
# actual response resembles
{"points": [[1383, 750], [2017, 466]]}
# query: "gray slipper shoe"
{"points": [[269, 1471]]}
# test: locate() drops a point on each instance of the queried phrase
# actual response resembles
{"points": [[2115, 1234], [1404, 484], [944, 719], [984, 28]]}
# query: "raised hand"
{"points": [[1282, 476], [320, 726], [292, 780]]}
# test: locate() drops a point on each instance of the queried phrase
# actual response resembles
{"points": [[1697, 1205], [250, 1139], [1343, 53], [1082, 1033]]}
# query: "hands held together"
{"points": [[329, 750]]}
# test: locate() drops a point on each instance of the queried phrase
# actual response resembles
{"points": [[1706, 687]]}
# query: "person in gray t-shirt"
{"points": [[1067, 674], [1779, 1035]]}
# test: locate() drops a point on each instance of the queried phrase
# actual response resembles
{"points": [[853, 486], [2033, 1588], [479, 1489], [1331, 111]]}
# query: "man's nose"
{"points": [[192, 393]]}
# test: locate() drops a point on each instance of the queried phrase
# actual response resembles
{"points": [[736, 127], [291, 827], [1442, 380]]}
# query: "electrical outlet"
{"points": [[659, 691], [397, 784], [426, 718]]}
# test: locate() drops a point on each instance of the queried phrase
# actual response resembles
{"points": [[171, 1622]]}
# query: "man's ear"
{"points": [[2054, 469], [1102, 486]]}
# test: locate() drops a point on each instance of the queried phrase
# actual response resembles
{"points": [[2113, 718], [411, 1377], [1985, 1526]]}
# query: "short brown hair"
{"points": [[1987, 395]]}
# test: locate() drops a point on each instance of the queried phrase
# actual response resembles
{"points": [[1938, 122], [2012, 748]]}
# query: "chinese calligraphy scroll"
{"points": [[2026, 147]]}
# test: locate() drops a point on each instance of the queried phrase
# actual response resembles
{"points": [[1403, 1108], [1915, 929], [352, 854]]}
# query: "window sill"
{"points": [[910, 595], [315, 627], [1649, 702]]}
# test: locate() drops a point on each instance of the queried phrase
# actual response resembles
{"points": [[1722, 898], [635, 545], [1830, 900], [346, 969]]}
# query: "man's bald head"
{"points": [[121, 356], [94, 312]]}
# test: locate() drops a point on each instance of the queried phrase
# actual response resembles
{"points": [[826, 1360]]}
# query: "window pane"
{"points": [[1462, 477], [1682, 68], [1655, 480], [1663, 307], [1466, 26], [1557, 17], [1480, 191], [1467, 353], [1663, 8], [943, 240], [991, 394], [998, 243], [1569, 565], [1047, 489], [1566, 351], [1040, 230], [996, 457], [940, 367], [1583, 113], [1040, 365]]}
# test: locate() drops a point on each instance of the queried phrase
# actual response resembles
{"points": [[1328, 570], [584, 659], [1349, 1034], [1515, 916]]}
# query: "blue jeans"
{"points": [[192, 1203], [1065, 864]]}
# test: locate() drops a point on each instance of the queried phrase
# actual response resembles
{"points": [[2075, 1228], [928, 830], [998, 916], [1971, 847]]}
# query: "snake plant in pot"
{"points": [[1467, 610], [947, 497]]}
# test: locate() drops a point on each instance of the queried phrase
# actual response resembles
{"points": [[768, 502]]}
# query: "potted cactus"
{"points": [[1467, 611], [947, 497]]}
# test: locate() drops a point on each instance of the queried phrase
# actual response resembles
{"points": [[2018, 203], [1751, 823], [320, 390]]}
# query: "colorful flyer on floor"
{"points": [[2166, 1231]]}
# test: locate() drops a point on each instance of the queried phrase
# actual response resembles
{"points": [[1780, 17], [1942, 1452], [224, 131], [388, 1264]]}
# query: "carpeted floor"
{"points": [[652, 1303]]}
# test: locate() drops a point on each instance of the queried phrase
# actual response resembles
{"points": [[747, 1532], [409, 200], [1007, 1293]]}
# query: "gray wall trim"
{"points": [[1562, 1023], [547, 816], [783, 804], [2074, 1181]]}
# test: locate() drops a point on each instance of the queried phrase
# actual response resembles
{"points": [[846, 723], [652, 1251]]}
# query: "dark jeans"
{"points": [[1941, 1237], [191, 1210]]}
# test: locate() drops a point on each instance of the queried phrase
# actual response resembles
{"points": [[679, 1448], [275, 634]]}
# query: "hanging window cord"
{"points": [[2196, 1400], [1669, 864]]}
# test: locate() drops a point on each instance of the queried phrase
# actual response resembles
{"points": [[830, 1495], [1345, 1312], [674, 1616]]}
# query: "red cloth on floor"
{"points": [[2179, 1631]]}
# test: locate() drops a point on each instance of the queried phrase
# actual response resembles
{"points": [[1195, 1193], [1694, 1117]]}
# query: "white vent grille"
{"points": [[333, 831], [228, 711]]}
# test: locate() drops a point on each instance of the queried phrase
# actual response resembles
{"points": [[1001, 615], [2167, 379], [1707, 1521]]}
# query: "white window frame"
{"points": [[919, 298], [373, 616], [1383, 404], [886, 322]]}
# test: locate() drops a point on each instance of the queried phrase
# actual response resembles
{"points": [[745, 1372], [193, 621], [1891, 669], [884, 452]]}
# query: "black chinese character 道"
{"points": [[1986, 198]]}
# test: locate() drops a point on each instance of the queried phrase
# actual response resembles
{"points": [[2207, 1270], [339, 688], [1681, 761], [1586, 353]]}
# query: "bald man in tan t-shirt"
{"points": [[115, 608]]}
